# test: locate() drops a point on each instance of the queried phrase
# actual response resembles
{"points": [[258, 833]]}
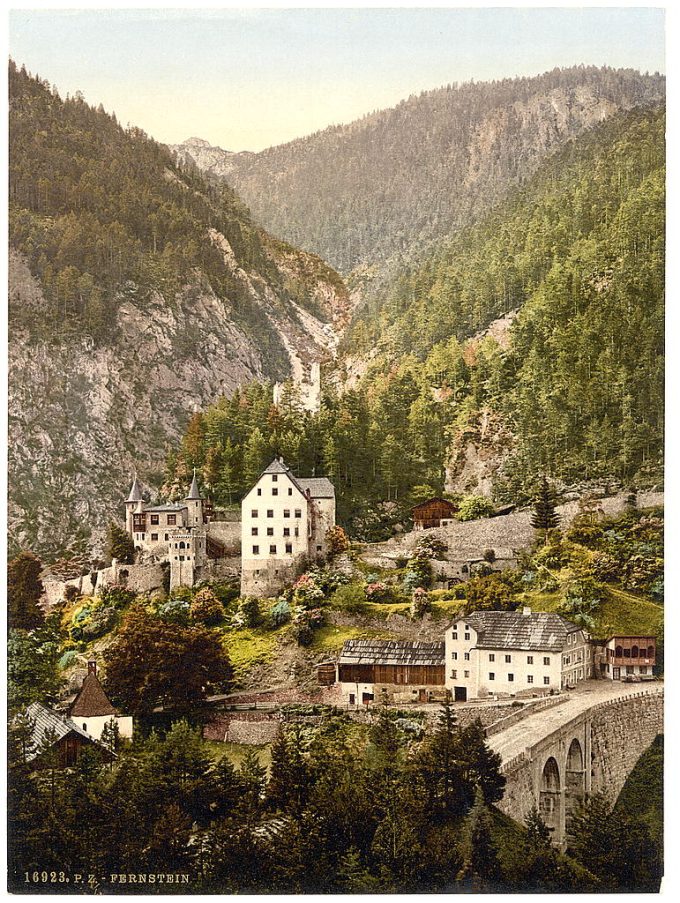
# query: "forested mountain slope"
{"points": [[138, 291], [384, 186], [570, 387]]}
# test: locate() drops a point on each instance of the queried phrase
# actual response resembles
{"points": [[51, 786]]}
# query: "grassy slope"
{"points": [[642, 794]]}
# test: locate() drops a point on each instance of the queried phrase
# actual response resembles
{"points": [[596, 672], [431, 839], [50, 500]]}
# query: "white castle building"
{"points": [[284, 521]]}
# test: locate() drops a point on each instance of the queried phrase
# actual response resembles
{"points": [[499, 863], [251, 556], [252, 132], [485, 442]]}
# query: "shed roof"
{"points": [[45, 720], [391, 652], [518, 630], [319, 487], [92, 700]]}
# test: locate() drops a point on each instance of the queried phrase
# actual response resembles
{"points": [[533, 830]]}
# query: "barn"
{"points": [[432, 512], [396, 671]]}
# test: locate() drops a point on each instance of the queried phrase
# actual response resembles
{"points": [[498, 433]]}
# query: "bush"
{"points": [[206, 608], [377, 592], [280, 613], [306, 592], [91, 621], [175, 611], [337, 539], [305, 623], [420, 602], [432, 547], [473, 507], [489, 555], [350, 598], [70, 593], [116, 595], [183, 593]]}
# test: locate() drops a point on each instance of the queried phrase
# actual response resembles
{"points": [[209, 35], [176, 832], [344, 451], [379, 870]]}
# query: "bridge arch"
{"points": [[550, 795], [575, 779]]}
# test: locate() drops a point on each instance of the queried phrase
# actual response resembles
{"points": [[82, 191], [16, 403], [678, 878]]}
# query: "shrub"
{"points": [[473, 507], [280, 613], [377, 592], [206, 608], [350, 598], [184, 593], [175, 611], [91, 621], [420, 602], [305, 623], [432, 547], [70, 593], [337, 539], [116, 595], [248, 613], [489, 555], [419, 565], [306, 592]]}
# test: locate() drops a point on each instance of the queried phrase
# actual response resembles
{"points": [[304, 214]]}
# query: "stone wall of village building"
{"points": [[255, 728], [228, 533]]}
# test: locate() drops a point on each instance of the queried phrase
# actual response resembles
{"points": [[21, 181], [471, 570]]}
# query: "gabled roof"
{"points": [[92, 700], [171, 506], [449, 504], [541, 630], [135, 491], [391, 652], [278, 465], [194, 492], [45, 720], [318, 487]]}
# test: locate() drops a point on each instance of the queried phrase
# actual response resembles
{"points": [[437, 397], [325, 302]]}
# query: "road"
{"points": [[525, 733]]}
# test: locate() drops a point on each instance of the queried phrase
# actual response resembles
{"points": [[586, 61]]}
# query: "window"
{"points": [[454, 674], [172, 520], [546, 659], [467, 656], [253, 531], [286, 512], [530, 678], [467, 673], [629, 669], [256, 550], [289, 548], [275, 478], [492, 676], [454, 656], [492, 657], [530, 659], [319, 548], [286, 531], [270, 512], [154, 520], [290, 490], [546, 681], [467, 636], [154, 537], [259, 490], [508, 659], [272, 550], [275, 491], [166, 537], [253, 513], [511, 677], [567, 659], [297, 531], [270, 531], [298, 512], [454, 635], [643, 669]]}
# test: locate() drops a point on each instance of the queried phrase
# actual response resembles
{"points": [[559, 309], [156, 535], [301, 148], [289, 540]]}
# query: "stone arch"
{"points": [[575, 778], [550, 795]]}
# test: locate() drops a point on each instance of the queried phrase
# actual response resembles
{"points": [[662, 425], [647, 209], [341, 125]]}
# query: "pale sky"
{"points": [[248, 79]]}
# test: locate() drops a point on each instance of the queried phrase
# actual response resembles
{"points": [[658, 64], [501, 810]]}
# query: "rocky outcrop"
{"points": [[82, 416], [477, 454]]}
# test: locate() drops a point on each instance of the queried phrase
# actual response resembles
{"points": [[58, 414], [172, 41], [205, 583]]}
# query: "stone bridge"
{"points": [[588, 743]]}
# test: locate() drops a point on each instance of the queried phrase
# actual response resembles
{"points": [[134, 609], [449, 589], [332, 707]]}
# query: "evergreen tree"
{"points": [[481, 866], [545, 517], [24, 589], [120, 545]]}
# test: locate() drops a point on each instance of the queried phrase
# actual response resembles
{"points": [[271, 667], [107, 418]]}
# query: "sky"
{"points": [[246, 79]]}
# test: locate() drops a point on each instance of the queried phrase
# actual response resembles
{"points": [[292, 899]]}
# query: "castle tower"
{"points": [[194, 503], [134, 504]]}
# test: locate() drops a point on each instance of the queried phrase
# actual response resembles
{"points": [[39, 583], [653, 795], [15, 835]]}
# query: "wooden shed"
{"points": [[392, 662], [432, 512]]}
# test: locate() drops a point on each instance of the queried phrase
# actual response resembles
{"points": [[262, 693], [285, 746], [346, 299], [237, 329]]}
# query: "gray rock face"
{"points": [[83, 417]]}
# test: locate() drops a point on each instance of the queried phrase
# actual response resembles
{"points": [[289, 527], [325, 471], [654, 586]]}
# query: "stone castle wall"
{"points": [[254, 728]]}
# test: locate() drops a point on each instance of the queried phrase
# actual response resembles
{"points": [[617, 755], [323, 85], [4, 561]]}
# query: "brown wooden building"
{"points": [[395, 670], [431, 513], [626, 657], [51, 732]]}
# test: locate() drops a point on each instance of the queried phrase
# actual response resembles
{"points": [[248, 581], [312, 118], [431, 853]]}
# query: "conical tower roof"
{"points": [[135, 492], [194, 492]]}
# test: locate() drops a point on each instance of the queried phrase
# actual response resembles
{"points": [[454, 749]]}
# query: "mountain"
{"points": [[386, 185], [138, 292], [530, 343]]}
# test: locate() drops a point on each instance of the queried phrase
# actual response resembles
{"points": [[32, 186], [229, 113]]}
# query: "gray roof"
{"points": [[319, 487], [171, 506], [46, 720], [135, 492], [516, 630], [278, 465], [194, 492], [391, 652]]}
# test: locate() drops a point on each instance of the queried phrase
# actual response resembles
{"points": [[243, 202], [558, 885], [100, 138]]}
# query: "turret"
{"points": [[194, 503], [134, 503]]}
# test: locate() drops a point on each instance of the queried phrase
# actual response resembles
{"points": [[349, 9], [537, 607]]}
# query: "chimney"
{"points": [[526, 610], [92, 667]]}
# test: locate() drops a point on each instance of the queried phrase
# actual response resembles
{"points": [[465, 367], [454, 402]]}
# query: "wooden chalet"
{"points": [[363, 664], [431, 513], [50, 731]]}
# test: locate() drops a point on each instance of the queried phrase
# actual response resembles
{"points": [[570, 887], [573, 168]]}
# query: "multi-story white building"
{"points": [[284, 522], [502, 653]]}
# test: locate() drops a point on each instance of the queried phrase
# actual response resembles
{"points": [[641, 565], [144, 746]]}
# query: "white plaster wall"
{"points": [[94, 725]]}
